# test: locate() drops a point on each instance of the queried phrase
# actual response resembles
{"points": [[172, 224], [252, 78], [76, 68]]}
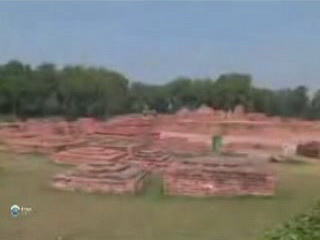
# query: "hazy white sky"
{"points": [[277, 42]]}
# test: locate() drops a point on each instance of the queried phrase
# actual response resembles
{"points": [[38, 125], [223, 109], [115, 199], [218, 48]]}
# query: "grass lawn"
{"points": [[24, 180]]}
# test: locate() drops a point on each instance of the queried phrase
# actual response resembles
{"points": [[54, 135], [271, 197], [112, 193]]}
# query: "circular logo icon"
{"points": [[15, 211]]}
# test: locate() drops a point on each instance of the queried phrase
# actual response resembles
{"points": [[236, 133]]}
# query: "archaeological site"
{"points": [[202, 152]]}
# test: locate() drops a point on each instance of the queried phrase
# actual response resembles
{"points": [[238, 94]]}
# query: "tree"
{"points": [[233, 89], [263, 101], [92, 92], [314, 111], [75, 91], [155, 97], [14, 78], [299, 101]]}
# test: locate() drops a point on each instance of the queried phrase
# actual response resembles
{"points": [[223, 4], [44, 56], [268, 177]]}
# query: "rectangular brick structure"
{"points": [[109, 177], [48, 145], [309, 149], [151, 160], [210, 176], [88, 154]]}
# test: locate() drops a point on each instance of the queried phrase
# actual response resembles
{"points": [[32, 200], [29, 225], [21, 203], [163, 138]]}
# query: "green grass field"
{"points": [[25, 180]]}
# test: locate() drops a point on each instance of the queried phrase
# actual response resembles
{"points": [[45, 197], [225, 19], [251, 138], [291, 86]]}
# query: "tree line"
{"points": [[78, 91]]}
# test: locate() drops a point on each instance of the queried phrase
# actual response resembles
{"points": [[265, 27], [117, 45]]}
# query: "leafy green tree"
{"points": [[314, 109], [92, 92], [233, 89], [299, 101], [263, 101], [156, 97], [75, 91], [14, 79]]}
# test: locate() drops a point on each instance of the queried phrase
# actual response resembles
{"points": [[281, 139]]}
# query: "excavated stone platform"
{"points": [[115, 142], [178, 144], [309, 149], [88, 154], [39, 136], [130, 126], [210, 176], [151, 160], [48, 145], [109, 177]]}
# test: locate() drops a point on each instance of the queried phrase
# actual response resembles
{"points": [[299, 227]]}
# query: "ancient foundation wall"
{"points": [[222, 183], [102, 178], [309, 149], [219, 175], [98, 186], [82, 155]]}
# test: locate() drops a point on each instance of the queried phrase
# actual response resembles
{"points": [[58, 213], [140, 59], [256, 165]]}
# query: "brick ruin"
{"points": [[309, 149], [179, 144], [241, 131], [129, 126], [49, 136], [38, 136], [151, 160], [211, 176], [173, 146], [87, 154], [120, 143], [46, 145], [108, 177]]}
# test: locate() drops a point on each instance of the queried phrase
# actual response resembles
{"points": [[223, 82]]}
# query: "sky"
{"points": [[278, 43]]}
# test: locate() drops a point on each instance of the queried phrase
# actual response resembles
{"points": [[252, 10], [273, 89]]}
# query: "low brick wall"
{"points": [[88, 154], [310, 149], [42, 145], [115, 178], [207, 178], [151, 160]]}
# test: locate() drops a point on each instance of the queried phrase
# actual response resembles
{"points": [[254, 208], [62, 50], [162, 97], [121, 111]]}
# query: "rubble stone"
{"points": [[309, 149]]}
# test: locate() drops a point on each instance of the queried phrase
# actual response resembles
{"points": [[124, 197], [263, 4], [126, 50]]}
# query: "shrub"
{"points": [[303, 227]]}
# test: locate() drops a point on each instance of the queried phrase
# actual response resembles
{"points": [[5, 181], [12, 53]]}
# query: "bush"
{"points": [[303, 227]]}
